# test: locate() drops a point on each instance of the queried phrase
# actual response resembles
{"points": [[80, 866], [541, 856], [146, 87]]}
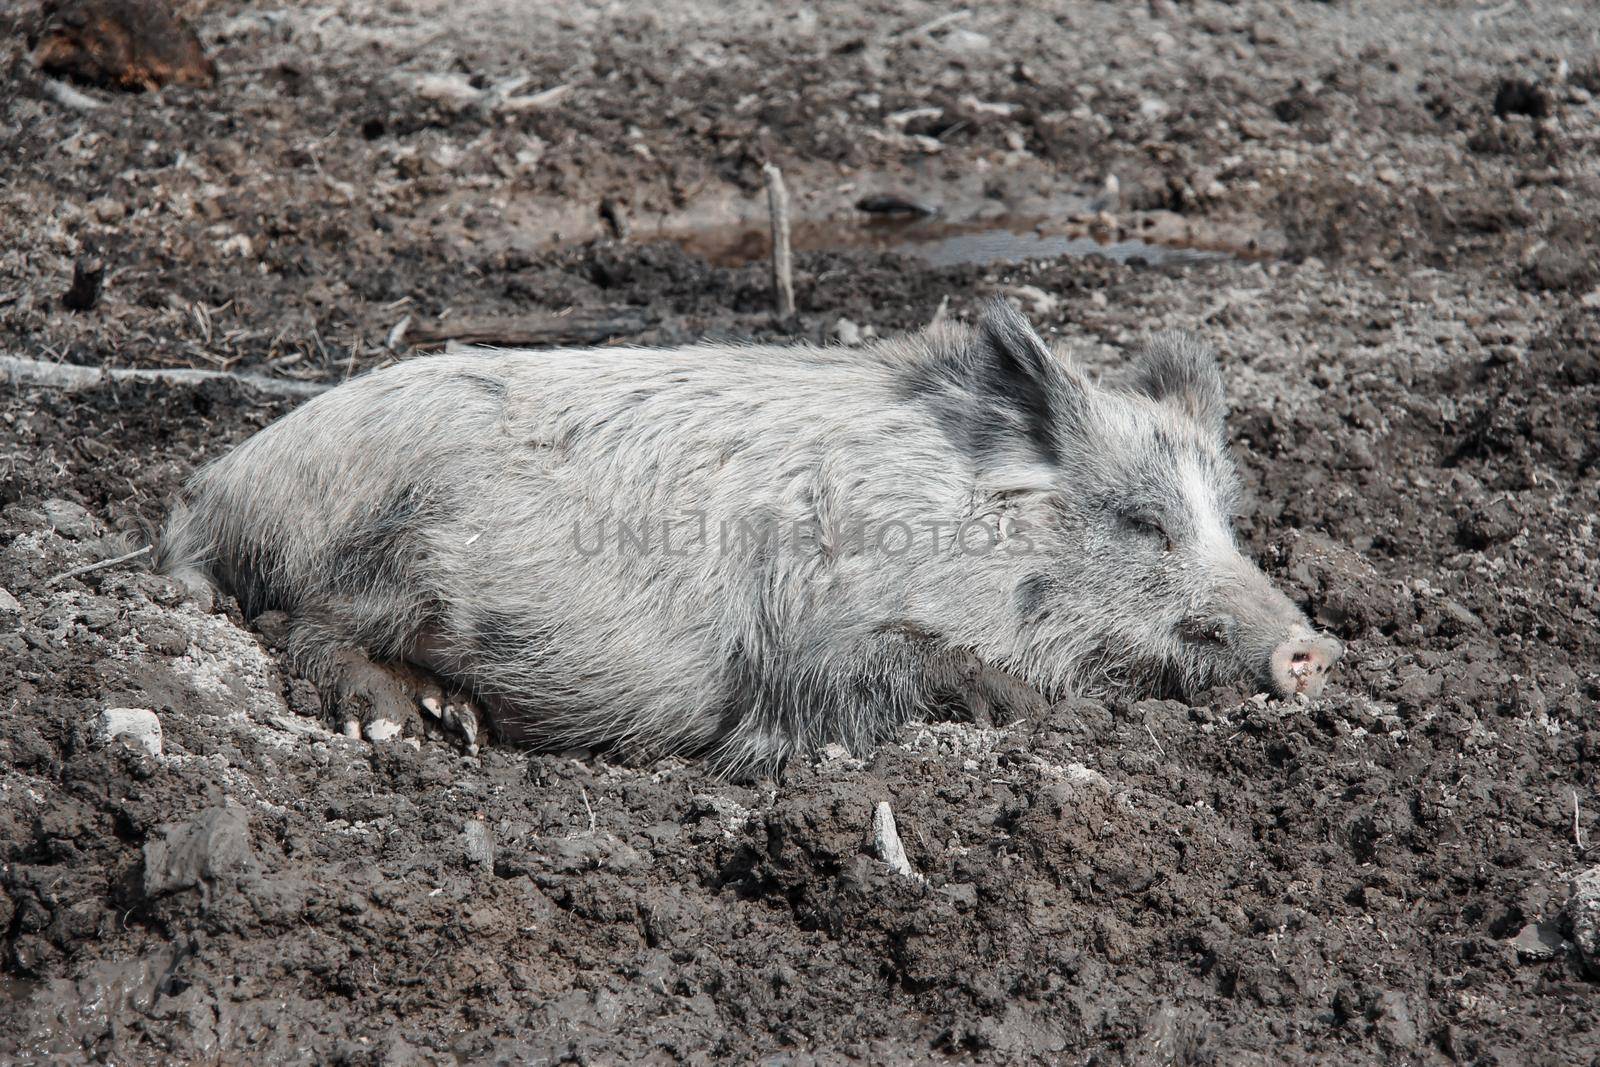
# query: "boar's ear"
{"points": [[1015, 370], [1178, 368]]}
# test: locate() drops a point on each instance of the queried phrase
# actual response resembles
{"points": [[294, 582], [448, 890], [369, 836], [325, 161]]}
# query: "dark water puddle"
{"points": [[942, 243]]}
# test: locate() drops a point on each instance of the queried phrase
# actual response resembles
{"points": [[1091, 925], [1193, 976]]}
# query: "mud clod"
{"points": [[1516, 96], [120, 44], [199, 853]]}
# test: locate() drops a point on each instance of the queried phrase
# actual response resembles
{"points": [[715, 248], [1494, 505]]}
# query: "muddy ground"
{"points": [[1410, 328]]}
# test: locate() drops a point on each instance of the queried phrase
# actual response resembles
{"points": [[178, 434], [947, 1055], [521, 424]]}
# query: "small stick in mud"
{"points": [[102, 565], [588, 807], [67, 96], [397, 335], [782, 257]]}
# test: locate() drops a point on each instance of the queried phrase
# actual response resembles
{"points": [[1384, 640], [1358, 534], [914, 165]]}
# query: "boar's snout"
{"points": [[1300, 663], [1267, 637]]}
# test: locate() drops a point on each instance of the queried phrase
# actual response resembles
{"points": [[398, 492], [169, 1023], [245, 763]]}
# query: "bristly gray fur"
{"points": [[448, 510], [1179, 368]]}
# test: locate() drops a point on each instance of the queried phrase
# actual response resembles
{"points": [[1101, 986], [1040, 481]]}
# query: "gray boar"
{"points": [[748, 552]]}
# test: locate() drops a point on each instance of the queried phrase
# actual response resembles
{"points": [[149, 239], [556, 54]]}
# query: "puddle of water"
{"points": [[978, 216], [943, 243], [1009, 246]]}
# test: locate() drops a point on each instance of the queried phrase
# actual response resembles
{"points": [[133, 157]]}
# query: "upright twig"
{"points": [[589, 808], [782, 256]]}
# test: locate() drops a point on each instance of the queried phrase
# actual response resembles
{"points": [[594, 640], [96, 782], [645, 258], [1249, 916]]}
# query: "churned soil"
{"points": [[1381, 875]]}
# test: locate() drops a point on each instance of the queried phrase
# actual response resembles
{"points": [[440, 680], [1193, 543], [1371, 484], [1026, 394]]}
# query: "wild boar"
{"points": [[745, 552]]}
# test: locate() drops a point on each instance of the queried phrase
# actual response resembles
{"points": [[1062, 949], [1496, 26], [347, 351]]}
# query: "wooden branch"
{"points": [[88, 568], [578, 326], [17, 370]]}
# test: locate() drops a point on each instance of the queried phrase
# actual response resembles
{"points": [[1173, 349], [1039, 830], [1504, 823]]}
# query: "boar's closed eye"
{"points": [[1147, 525]]}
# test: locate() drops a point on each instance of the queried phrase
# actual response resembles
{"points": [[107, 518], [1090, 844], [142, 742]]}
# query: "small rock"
{"points": [[70, 520], [848, 332], [1078, 774], [107, 210], [965, 42], [382, 730], [964, 894], [453, 91], [478, 844], [886, 841], [9, 605], [238, 245], [1583, 917], [140, 726], [1538, 941]]}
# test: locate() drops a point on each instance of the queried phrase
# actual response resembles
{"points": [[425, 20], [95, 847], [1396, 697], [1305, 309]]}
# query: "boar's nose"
{"points": [[1301, 662]]}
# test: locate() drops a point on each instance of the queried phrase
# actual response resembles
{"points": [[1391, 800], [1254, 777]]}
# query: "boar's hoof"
{"points": [[987, 694], [1300, 664], [454, 715], [382, 701]]}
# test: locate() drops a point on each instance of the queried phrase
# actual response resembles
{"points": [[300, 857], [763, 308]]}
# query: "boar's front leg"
{"points": [[956, 676], [377, 697], [854, 687]]}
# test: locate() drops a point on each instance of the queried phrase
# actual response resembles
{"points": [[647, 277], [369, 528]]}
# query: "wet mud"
{"points": [[1392, 873]]}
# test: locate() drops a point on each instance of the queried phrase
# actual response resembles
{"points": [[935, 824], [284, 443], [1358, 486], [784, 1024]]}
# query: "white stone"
{"points": [[1154, 109], [138, 725], [382, 730], [966, 42]]}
